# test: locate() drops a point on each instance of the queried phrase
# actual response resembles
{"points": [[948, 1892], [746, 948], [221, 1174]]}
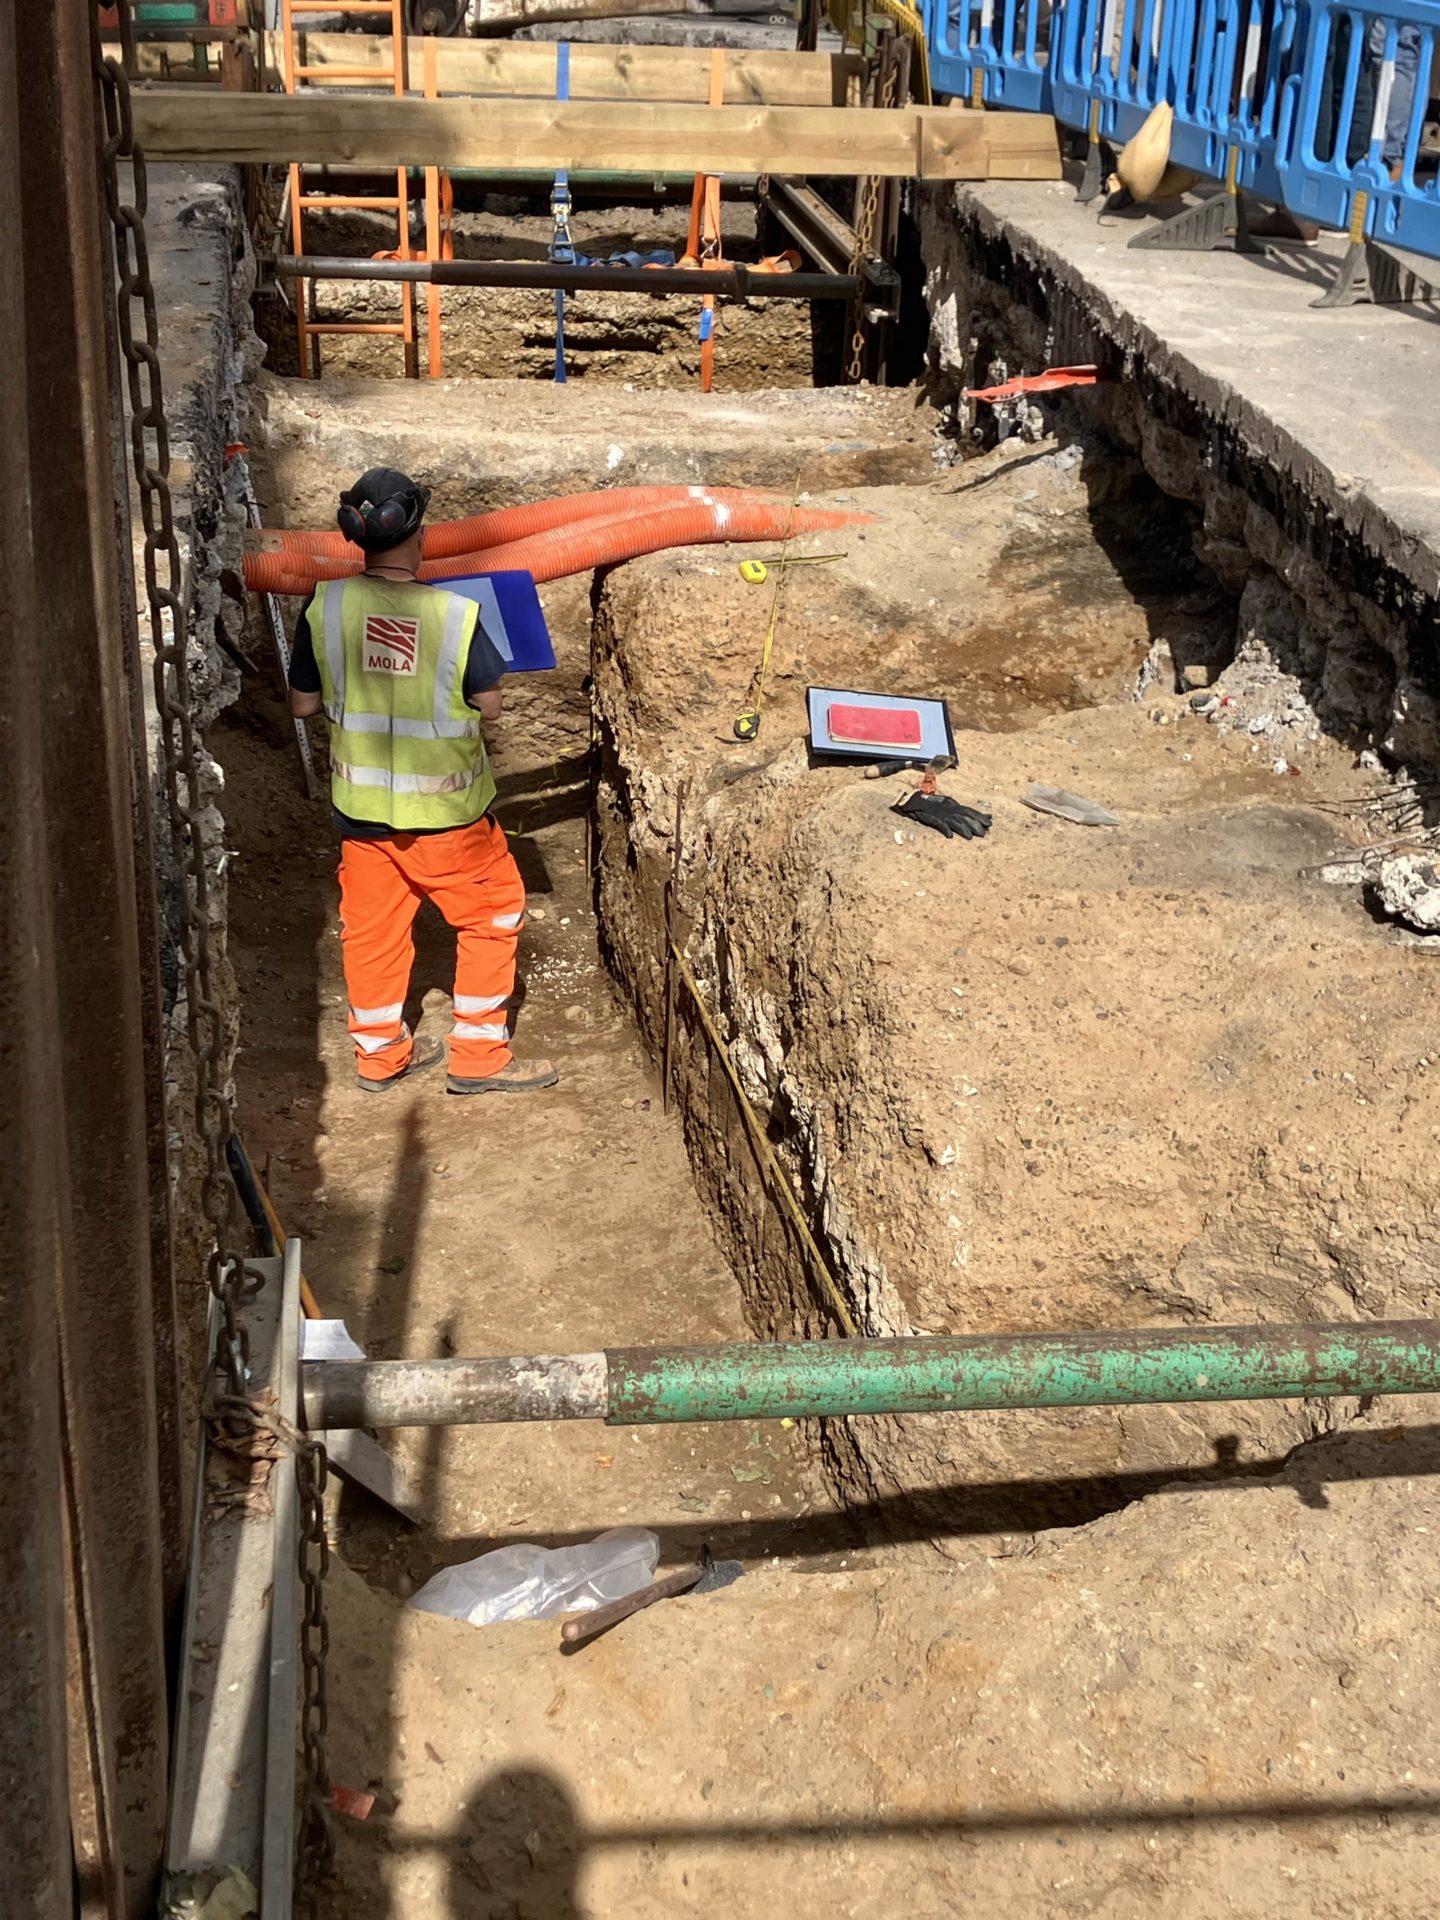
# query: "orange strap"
{"points": [[706, 242], [692, 238], [697, 197], [447, 216]]}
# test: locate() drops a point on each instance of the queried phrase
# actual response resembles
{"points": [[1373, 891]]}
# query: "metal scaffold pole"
{"points": [[664, 1385], [748, 283]]}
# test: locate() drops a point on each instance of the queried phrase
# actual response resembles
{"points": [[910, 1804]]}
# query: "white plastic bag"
{"points": [[1068, 806], [537, 1583]]}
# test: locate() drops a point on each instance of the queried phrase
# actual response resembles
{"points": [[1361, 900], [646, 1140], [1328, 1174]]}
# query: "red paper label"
{"points": [[875, 726]]}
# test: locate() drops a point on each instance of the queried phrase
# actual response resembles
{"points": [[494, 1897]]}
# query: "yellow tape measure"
{"points": [[756, 572]]}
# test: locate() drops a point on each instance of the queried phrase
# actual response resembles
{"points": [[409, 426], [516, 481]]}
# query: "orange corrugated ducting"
{"points": [[446, 537], [580, 546], [588, 544]]}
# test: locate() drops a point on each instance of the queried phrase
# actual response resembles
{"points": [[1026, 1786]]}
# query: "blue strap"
{"points": [[562, 247]]}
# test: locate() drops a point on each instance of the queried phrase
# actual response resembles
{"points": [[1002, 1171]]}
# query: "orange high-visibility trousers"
{"points": [[471, 876]]}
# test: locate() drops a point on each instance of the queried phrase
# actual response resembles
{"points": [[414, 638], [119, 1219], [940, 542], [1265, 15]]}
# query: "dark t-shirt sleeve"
{"points": [[485, 667], [304, 671]]}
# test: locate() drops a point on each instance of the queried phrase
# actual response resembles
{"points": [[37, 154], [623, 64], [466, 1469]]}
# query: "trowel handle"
{"points": [[589, 1624]]}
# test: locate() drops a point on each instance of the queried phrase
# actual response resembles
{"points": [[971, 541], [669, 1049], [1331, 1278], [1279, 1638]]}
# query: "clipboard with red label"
{"points": [[878, 726]]}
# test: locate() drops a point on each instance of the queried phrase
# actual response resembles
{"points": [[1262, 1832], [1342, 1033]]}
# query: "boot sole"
{"points": [[452, 1085]]}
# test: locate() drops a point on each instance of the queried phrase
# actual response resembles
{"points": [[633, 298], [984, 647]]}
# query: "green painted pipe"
{"points": [[649, 1386]]}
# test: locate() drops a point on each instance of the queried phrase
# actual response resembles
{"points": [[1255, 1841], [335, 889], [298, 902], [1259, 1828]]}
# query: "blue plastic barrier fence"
{"points": [[1351, 120], [1112, 63], [1228, 64], [993, 51], [1220, 64]]}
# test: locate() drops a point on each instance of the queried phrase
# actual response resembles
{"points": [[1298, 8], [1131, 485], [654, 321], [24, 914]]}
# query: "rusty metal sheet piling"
{"points": [[81, 1049], [35, 1858]]}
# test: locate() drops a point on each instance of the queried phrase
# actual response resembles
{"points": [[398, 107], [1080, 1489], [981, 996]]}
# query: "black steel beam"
{"points": [[745, 283], [829, 239]]}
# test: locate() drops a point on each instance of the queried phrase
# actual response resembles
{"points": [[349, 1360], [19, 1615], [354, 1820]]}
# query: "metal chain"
{"points": [[316, 1853], [168, 591], [169, 610], [866, 220]]}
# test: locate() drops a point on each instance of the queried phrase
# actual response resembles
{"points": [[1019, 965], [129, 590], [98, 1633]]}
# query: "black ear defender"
{"points": [[384, 523]]}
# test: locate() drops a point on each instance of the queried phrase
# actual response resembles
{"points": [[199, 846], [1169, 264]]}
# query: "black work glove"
{"points": [[945, 815]]}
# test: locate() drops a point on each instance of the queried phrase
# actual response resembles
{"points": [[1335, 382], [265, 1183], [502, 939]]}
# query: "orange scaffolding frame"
{"points": [[302, 202]]}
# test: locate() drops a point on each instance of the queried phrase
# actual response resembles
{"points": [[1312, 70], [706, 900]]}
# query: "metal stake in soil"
{"points": [[672, 888]]}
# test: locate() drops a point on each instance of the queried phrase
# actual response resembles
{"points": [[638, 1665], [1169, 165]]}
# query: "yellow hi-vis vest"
{"points": [[405, 749]]}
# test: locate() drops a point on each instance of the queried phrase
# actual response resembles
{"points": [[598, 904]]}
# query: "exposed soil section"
{"points": [[1068, 1077], [435, 1225], [1163, 1073], [487, 444], [1207, 1705], [506, 333]]}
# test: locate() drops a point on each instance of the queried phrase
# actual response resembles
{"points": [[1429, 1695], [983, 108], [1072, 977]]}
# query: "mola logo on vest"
{"points": [[390, 644]]}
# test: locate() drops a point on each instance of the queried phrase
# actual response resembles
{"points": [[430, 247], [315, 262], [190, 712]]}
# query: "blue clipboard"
{"points": [[511, 615]]}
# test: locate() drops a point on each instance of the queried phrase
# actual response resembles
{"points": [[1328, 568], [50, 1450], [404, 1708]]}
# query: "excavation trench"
{"points": [[1045, 1082], [500, 333], [1161, 1073], [566, 1223]]}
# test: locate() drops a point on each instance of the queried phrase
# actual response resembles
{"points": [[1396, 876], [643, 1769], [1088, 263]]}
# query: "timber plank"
{"points": [[933, 143], [523, 69], [1019, 146]]}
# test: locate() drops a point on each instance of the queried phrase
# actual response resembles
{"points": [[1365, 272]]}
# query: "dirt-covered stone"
{"points": [[1067, 1077], [1348, 597]]}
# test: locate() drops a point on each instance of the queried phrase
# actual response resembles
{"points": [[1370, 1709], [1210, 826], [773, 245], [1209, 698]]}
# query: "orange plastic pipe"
{"points": [[601, 543], [602, 540], [502, 524]]}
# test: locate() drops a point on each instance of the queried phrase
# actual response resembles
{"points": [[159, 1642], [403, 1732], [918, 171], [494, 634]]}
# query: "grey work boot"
{"points": [[425, 1053], [521, 1076]]}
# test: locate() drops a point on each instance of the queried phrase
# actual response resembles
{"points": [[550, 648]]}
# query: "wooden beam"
{"points": [[504, 16], [1019, 146], [931, 143], [523, 69]]}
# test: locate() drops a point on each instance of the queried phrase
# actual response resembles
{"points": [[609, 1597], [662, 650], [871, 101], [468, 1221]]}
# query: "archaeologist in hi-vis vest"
{"points": [[405, 674]]}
